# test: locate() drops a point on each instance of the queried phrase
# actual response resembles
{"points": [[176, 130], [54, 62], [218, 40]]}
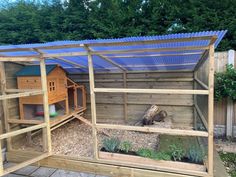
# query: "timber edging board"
{"points": [[89, 166], [85, 165]]}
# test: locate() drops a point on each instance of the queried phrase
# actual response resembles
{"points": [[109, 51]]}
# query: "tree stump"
{"points": [[149, 114]]}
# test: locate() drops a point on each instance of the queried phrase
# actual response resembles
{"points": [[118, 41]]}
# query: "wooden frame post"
{"points": [[125, 96], [194, 101], [46, 131], [211, 110], [93, 106], [5, 104]]}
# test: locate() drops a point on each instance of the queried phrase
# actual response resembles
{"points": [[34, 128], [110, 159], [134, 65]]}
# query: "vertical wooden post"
{"points": [[211, 110], [230, 104], [93, 106], [5, 104], [125, 96], [1, 159], [194, 101], [46, 131]]}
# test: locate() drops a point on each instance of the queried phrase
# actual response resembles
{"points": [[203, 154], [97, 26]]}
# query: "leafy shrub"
{"points": [[177, 152], [161, 156], [125, 146], [195, 154], [225, 84], [143, 152], [111, 144]]}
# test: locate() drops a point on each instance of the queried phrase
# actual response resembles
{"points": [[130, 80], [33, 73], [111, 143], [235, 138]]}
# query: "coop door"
{"points": [[17, 131], [11, 136]]}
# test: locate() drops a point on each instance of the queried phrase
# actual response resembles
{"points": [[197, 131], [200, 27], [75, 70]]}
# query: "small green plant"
{"points": [[177, 152], [195, 154], [125, 146], [161, 156], [148, 153], [143, 152], [111, 144]]}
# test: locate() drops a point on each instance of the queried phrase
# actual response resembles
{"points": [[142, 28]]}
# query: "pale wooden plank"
{"points": [[93, 106], [211, 111]]}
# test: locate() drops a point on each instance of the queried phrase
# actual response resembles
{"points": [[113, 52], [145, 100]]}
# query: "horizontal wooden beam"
{"points": [[154, 130], [154, 55], [18, 95], [21, 131], [158, 91], [20, 58], [140, 80], [136, 72], [123, 51], [20, 90], [64, 54], [99, 167], [24, 121], [148, 50], [144, 103]]}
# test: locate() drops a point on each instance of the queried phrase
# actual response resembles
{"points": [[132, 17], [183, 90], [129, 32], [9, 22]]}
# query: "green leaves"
{"points": [[111, 144], [177, 152], [34, 21], [225, 84], [152, 154], [125, 146]]}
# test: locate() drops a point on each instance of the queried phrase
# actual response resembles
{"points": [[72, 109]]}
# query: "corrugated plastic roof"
{"points": [[168, 60]]}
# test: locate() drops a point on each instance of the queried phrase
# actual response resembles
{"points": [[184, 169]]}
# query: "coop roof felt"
{"points": [[34, 70], [129, 53]]}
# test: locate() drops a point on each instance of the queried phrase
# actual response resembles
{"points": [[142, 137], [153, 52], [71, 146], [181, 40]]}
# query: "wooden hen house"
{"points": [[60, 88]]}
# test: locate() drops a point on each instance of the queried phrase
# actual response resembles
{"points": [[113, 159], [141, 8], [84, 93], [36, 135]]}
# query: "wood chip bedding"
{"points": [[75, 139]]}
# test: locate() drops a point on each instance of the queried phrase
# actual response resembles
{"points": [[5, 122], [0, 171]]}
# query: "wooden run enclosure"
{"points": [[121, 97]]}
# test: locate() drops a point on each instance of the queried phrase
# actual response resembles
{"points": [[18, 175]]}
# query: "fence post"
{"points": [[230, 105]]}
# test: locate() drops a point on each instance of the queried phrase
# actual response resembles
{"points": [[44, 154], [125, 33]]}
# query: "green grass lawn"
{"points": [[229, 160]]}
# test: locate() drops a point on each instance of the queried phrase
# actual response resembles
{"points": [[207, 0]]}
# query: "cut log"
{"points": [[159, 117], [149, 115]]}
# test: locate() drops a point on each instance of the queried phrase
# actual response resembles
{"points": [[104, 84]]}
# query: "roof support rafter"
{"points": [[62, 59], [106, 59]]}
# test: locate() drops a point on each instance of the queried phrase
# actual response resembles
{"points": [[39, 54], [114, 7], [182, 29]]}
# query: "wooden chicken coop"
{"points": [[60, 88]]}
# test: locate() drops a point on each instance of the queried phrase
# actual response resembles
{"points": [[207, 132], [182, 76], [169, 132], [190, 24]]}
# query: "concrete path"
{"points": [[33, 171]]}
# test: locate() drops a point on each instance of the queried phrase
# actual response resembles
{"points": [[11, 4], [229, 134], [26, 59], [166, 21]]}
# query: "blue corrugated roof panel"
{"points": [[139, 62]]}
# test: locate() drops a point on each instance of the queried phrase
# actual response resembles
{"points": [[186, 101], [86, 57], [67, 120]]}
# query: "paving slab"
{"points": [[65, 173], [43, 172], [14, 175], [26, 170], [87, 175], [8, 164]]}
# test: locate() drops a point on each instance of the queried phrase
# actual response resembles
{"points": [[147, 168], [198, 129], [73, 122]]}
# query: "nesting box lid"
{"points": [[34, 70]]}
